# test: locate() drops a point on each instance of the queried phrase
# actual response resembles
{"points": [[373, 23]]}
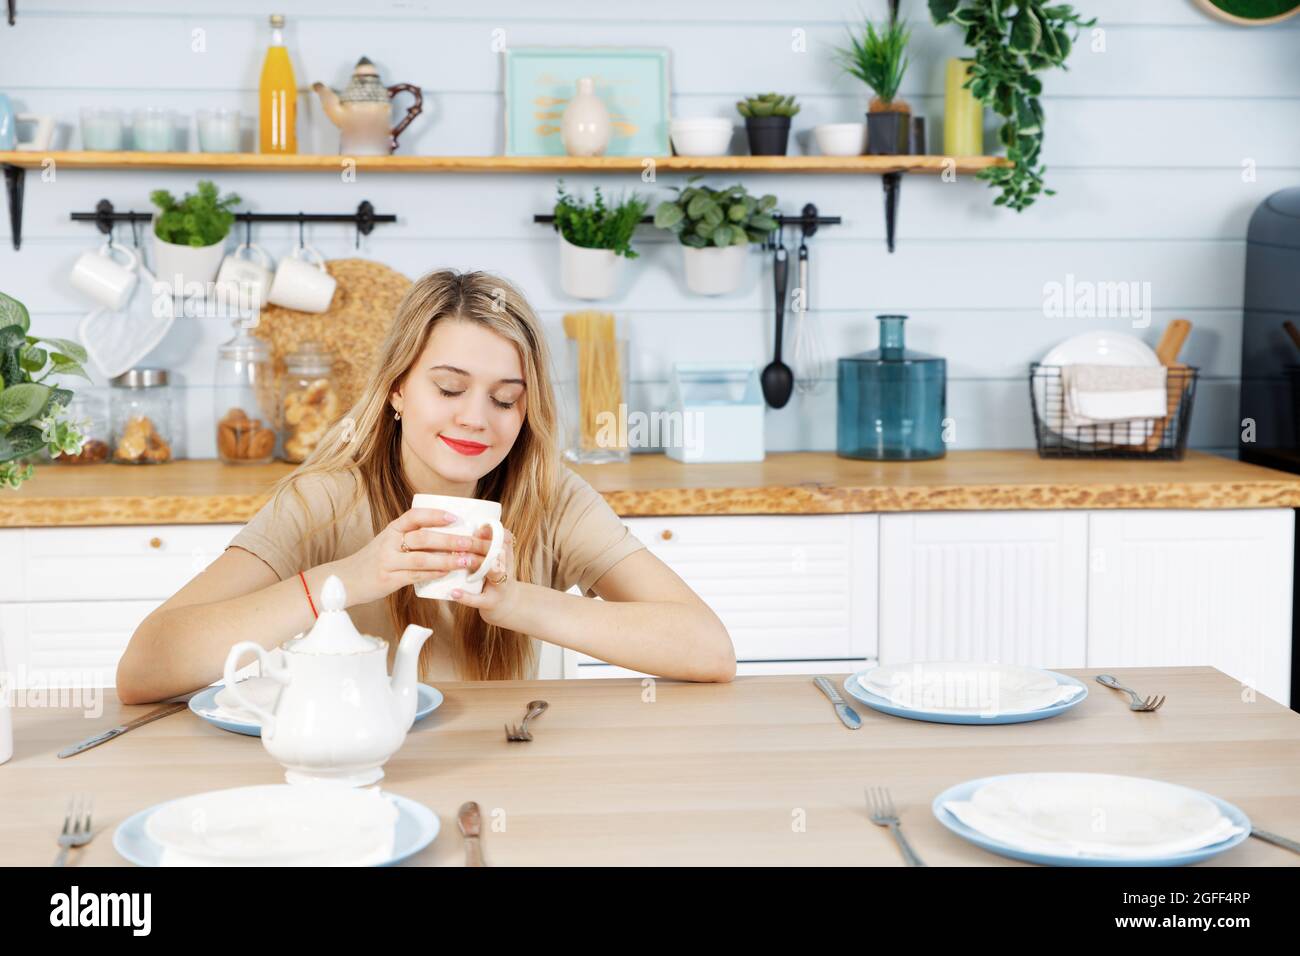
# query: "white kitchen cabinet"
{"points": [[1176, 588], [1007, 586], [788, 588]]}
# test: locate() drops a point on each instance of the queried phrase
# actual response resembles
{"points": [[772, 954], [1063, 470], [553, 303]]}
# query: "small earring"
{"points": [[397, 416]]}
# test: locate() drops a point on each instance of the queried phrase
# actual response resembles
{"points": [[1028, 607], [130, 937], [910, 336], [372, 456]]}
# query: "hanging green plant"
{"points": [[1012, 40]]}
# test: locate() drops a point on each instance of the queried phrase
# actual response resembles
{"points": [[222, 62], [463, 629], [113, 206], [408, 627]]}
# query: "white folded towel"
{"points": [[1098, 394]]}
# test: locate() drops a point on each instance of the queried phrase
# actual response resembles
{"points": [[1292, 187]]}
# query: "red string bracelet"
{"points": [[308, 590]]}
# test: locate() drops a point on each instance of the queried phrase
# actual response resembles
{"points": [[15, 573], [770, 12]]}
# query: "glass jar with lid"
{"points": [[89, 408], [309, 400], [244, 400], [141, 415]]}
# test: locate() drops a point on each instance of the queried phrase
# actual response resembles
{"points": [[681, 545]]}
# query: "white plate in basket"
{"points": [[1097, 348]]}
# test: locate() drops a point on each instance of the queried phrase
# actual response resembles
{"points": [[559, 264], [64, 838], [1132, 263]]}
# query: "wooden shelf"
{"points": [[85, 159]]}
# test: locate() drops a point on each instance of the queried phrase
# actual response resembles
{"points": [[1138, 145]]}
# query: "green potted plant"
{"points": [[189, 236], [32, 411], [595, 241], [1011, 43], [714, 228], [879, 59], [767, 122]]}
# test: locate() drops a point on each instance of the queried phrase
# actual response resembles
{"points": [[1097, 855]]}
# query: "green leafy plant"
{"points": [[767, 104], [31, 412], [701, 216], [594, 226], [879, 59], [1013, 40], [200, 219]]}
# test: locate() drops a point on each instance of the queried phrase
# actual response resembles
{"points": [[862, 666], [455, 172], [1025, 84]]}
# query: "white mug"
{"points": [[105, 280], [471, 514], [302, 285], [248, 279]]}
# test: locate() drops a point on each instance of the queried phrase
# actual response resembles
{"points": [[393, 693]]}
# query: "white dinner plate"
{"points": [[1096, 348]]}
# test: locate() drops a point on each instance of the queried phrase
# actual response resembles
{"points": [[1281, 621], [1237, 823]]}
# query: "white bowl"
{"points": [[841, 139], [701, 137]]}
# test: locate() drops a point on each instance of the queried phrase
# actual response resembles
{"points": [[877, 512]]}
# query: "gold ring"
{"points": [[404, 547], [500, 580]]}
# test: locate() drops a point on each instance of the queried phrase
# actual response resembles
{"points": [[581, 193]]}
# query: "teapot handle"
{"points": [[277, 673], [414, 111]]}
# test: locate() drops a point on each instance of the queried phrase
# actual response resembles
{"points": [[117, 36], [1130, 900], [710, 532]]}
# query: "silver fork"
{"points": [[880, 806], [1139, 703], [77, 830], [535, 707]]}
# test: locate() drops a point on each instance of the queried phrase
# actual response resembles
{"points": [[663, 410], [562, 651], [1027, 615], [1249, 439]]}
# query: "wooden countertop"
{"points": [[206, 491], [703, 774]]}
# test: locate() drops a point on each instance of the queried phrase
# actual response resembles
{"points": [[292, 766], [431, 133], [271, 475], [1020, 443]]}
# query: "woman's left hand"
{"points": [[499, 585]]}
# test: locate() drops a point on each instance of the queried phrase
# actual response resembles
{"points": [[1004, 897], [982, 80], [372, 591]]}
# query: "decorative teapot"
{"points": [[364, 111], [338, 717]]}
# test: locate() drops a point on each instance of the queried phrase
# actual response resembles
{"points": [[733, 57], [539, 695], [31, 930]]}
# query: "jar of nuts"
{"points": [[89, 407], [244, 400], [309, 400], [141, 417]]}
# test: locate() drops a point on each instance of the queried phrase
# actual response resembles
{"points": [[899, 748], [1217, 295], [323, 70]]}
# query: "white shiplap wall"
{"points": [[1145, 144]]}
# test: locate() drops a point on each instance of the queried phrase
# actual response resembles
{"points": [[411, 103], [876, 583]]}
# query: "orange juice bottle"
{"points": [[278, 96]]}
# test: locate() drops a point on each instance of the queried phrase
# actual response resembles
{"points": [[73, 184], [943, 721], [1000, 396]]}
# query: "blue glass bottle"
{"points": [[891, 401]]}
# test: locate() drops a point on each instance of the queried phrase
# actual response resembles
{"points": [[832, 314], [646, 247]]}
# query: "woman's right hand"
{"points": [[381, 567]]}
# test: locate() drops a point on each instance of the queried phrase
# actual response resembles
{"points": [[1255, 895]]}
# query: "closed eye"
{"points": [[495, 401]]}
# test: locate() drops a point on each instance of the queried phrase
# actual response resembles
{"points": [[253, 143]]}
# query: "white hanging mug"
{"points": [[471, 514], [249, 280], [302, 284], [103, 278]]}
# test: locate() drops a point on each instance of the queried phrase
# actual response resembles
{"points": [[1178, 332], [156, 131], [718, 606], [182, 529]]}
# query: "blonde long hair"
{"points": [[367, 441]]}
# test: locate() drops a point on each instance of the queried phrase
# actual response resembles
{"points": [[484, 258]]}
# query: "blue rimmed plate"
{"points": [[417, 827], [859, 692], [963, 791], [204, 705]]}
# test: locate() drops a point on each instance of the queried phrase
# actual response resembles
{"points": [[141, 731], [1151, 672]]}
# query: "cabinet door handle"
{"points": [[155, 542], [666, 534]]}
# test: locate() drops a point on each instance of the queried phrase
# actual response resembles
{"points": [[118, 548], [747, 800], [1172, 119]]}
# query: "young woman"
{"points": [[460, 403]]}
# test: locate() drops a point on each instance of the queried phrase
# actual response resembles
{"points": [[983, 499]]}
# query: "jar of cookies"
{"points": [[309, 400], [141, 413], [244, 400], [89, 408]]}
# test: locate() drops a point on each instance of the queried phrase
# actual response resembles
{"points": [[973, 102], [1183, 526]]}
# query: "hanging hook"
{"points": [[135, 233], [302, 227], [248, 231]]}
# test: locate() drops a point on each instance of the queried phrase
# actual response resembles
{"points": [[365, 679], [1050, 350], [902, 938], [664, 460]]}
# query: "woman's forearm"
{"points": [[679, 641], [182, 649]]}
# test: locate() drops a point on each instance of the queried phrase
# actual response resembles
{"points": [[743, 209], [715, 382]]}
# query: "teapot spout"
{"points": [[405, 669], [329, 101]]}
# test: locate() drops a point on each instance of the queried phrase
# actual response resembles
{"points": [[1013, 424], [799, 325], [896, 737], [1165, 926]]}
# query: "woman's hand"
{"points": [[500, 589], [408, 551]]}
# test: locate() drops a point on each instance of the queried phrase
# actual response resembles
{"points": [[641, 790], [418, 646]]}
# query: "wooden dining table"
{"points": [[654, 772]]}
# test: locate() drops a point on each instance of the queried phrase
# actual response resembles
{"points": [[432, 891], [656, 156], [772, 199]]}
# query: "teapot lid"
{"points": [[334, 632]]}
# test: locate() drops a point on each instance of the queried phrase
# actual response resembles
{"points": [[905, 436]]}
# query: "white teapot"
{"points": [[339, 716]]}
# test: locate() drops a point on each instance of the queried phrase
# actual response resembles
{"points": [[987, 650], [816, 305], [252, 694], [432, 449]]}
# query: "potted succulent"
{"points": [[767, 121], [715, 227], [1008, 50], [31, 411], [189, 236], [879, 59], [595, 240]]}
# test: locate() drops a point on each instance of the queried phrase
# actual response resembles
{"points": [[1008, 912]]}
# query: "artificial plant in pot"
{"points": [[1012, 40], [879, 59], [32, 411], [767, 122], [189, 236], [595, 240], [715, 228]]}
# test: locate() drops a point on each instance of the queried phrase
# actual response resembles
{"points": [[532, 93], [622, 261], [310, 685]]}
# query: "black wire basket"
{"points": [[1143, 438]]}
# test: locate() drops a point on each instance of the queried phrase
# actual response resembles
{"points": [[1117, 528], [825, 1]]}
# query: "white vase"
{"points": [[714, 270], [193, 264], [589, 273], [584, 128]]}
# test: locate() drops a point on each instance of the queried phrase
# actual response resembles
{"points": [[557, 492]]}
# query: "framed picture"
{"points": [[632, 81], [1250, 13]]}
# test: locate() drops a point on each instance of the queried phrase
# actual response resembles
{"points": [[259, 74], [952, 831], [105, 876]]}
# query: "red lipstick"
{"points": [[464, 447]]}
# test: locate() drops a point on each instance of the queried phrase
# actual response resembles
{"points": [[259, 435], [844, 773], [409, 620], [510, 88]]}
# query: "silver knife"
{"points": [[120, 729], [846, 713], [1273, 838], [468, 817]]}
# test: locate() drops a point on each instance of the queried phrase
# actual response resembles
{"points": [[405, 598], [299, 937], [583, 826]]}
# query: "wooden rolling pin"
{"points": [[1171, 343]]}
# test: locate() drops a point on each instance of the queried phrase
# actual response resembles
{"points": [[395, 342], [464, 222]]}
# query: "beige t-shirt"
{"points": [[584, 538]]}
